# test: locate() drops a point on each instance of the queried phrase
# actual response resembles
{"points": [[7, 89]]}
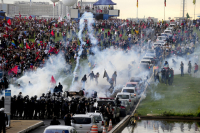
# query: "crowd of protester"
{"points": [[28, 42]]}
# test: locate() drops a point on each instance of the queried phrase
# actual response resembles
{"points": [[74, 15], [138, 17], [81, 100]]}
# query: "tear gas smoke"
{"points": [[112, 60], [176, 66], [40, 79], [89, 17]]}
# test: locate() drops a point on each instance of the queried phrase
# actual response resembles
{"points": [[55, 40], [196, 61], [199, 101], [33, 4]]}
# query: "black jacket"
{"points": [[3, 119]]}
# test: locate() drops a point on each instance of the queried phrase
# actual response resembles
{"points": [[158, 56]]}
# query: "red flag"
{"points": [[53, 80], [33, 45], [30, 17], [20, 15], [165, 2], [37, 57], [9, 22], [15, 69], [52, 33], [27, 47]]}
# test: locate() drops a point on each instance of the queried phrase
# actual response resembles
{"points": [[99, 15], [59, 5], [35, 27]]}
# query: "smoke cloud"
{"points": [[40, 79]]}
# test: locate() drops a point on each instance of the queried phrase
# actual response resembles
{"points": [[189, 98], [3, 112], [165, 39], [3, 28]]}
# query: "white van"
{"points": [[83, 122], [59, 129]]}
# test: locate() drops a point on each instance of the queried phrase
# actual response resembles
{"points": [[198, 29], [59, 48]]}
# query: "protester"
{"points": [[67, 119], [182, 68], [3, 120], [55, 121], [196, 68], [189, 67], [84, 79]]}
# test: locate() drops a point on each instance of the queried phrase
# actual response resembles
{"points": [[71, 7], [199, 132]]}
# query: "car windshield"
{"points": [[100, 103], [130, 85], [157, 44], [56, 131], [163, 35], [149, 54], [123, 103], [128, 90], [167, 32], [148, 58], [123, 96], [135, 80], [150, 51], [97, 118], [161, 38], [145, 61], [81, 120]]}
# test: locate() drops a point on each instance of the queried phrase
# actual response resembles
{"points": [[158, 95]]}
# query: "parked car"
{"points": [[145, 64], [134, 88], [168, 32], [59, 129], [161, 38], [83, 122], [114, 107], [98, 117], [124, 96], [151, 52]]}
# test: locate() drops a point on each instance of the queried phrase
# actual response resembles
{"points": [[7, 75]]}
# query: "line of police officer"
{"points": [[51, 104]]}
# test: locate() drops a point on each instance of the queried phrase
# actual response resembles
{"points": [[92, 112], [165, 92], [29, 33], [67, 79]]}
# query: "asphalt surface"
{"points": [[46, 124]]}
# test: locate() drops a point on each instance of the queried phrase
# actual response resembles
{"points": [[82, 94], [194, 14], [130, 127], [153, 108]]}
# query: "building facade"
{"points": [[39, 9]]}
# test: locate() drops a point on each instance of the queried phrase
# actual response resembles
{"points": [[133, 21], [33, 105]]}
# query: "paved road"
{"points": [[46, 124]]}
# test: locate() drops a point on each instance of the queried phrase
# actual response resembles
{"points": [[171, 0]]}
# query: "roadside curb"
{"points": [[170, 117], [32, 127]]}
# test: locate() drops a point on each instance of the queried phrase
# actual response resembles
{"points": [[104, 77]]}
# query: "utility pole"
{"points": [[183, 8]]}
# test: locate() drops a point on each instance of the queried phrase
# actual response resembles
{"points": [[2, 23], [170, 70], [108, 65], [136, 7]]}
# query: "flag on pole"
{"points": [[30, 17], [165, 2], [9, 22], [53, 81], [194, 2], [37, 57], [15, 69], [13, 43], [20, 15], [106, 75], [137, 4], [21, 45], [52, 33], [53, 4], [27, 47]]}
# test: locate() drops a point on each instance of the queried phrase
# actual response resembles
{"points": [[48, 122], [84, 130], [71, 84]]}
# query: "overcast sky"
{"points": [[153, 8]]}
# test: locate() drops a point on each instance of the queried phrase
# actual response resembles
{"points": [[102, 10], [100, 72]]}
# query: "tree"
{"points": [[187, 15]]}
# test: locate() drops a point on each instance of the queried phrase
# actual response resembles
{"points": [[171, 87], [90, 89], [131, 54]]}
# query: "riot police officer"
{"points": [[37, 108]]}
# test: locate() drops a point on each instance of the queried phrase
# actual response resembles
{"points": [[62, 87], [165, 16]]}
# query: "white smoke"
{"points": [[40, 79], [89, 17], [185, 60], [111, 60]]}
